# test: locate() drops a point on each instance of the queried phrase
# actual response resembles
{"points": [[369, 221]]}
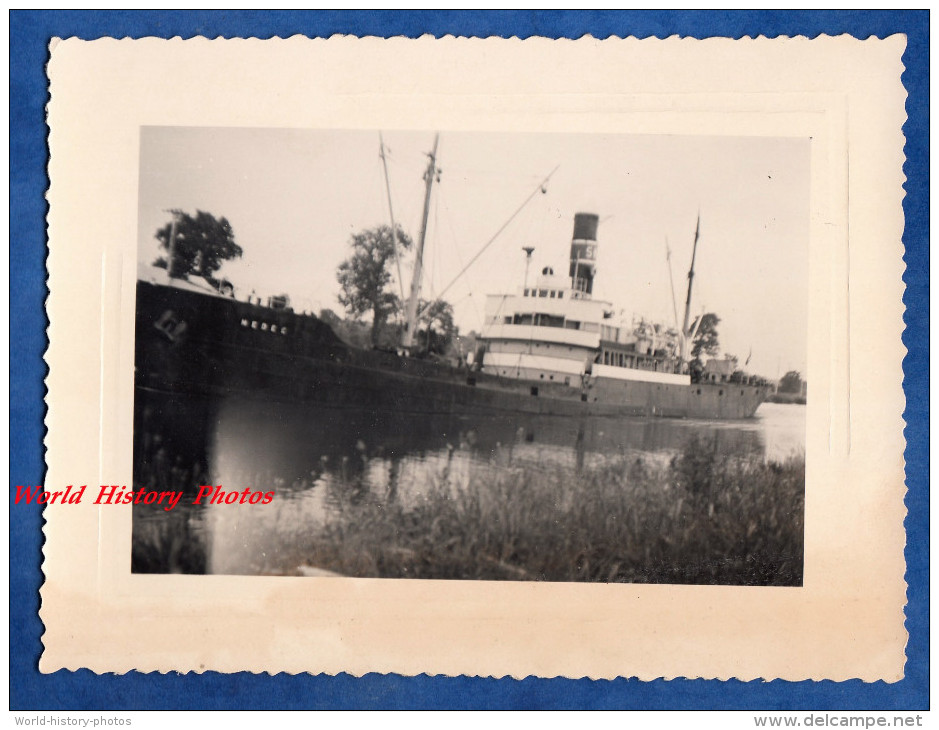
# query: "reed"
{"points": [[174, 543], [702, 518]]}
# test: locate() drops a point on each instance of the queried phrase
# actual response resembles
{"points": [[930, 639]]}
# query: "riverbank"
{"points": [[702, 518]]}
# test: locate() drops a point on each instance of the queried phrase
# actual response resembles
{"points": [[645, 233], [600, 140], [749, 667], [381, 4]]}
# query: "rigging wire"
{"points": [[391, 214], [540, 188], [436, 246], [459, 256]]}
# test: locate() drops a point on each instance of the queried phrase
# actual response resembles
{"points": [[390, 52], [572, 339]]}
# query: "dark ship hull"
{"points": [[188, 343]]}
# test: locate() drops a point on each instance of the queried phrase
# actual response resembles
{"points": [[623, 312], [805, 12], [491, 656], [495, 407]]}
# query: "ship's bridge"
{"points": [[543, 332], [550, 311]]}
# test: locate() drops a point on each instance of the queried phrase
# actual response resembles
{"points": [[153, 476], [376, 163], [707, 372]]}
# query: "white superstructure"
{"points": [[555, 331], [544, 332]]}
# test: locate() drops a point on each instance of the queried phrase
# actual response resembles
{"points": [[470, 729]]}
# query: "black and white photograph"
{"points": [[471, 355]]}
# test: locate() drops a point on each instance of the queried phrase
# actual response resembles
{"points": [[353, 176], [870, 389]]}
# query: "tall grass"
{"points": [[702, 518], [172, 542]]}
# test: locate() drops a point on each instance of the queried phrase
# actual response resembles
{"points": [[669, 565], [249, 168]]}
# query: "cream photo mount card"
{"points": [[136, 128]]}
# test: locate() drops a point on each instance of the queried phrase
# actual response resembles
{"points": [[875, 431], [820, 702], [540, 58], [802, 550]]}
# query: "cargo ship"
{"points": [[549, 349]]}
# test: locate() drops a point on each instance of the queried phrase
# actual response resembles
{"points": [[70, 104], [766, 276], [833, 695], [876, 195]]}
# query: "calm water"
{"points": [[313, 460]]}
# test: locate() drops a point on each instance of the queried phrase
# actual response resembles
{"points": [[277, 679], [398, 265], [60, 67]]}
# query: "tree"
{"points": [[365, 277], [705, 339], [201, 244], [791, 382], [437, 318]]}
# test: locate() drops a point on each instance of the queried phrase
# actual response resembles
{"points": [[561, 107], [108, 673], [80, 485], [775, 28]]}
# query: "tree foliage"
{"points": [[437, 328], [202, 243], [706, 340], [365, 277], [791, 382]]}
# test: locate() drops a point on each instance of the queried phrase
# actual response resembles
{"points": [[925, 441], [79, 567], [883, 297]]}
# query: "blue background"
{"points": [[30, 32]]}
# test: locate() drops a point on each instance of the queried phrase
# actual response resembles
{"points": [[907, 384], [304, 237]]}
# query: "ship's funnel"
{"points": [[584, 252]]}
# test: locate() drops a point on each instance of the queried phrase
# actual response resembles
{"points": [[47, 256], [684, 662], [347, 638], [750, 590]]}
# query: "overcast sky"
{"points": [[294, 197]]}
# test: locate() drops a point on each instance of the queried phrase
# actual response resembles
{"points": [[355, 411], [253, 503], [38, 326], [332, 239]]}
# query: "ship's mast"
{"points": [[429, 175], [529, 250], [671, 281], [391, 214], [685, 331]]}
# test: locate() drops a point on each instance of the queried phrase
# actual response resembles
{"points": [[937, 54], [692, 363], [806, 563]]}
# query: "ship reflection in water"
{"points": [[316, 466]]}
